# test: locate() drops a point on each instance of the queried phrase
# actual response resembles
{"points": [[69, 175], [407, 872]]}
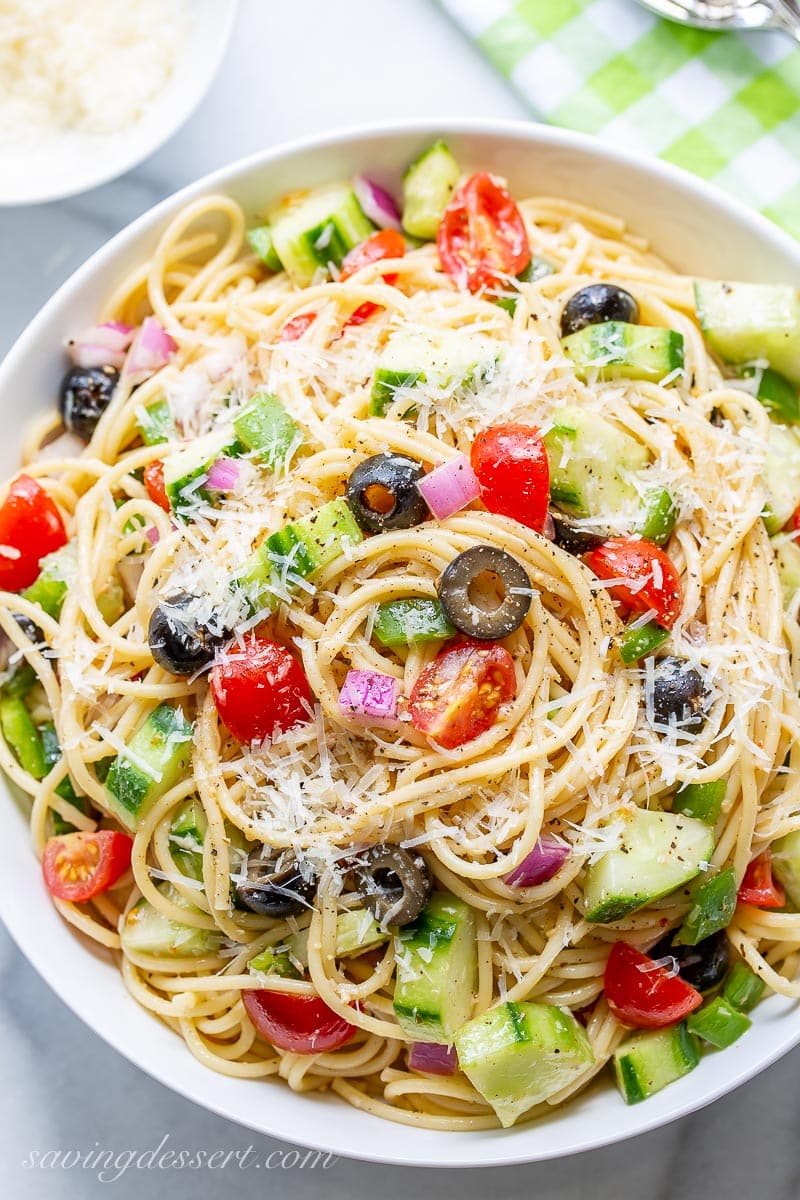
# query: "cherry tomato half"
{"points": [[456, 697], [386, 243], [644, 995], [652, 582], [301, 1024], [511, 464], [758, 886], [260, 689], [298, 325], [482, 238], [78, 866], [30, 527], [154, 483]]}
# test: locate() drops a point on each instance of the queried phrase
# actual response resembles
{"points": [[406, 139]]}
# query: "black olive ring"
{"points": [[382, 493], [485, 624], [274, 887], [394, 883]]}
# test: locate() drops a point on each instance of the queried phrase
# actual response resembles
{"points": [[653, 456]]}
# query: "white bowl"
{"points": [[700, 231], [74, 163]]}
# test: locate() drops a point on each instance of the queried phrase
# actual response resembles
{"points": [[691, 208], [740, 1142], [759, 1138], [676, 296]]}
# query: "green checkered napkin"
{"points": [[724, 105]]}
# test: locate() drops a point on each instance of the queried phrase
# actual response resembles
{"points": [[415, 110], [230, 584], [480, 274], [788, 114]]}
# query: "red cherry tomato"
{"points": [[386, 243], [652, 582], [301, 1024], [794, 521], [643, 995], [456, 697], [482, 238], [154, 483], [362, 313], [758, 886], [511, 464], [260, 689], [30, 528], [298, 325], [78, 866]]}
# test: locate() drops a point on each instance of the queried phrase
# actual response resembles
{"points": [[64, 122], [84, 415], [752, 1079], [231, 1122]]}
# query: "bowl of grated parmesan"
{"points": [[89, 89]]}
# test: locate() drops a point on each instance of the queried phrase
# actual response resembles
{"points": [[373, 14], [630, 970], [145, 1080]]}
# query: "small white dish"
{"points": [[71, 162], [696, 228]]}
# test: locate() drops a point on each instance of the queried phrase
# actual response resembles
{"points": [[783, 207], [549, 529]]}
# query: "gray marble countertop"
{"points": [[63, 1088]]}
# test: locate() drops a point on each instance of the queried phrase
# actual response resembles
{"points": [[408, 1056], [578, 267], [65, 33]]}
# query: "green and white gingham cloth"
{"points": [[724, 105]]}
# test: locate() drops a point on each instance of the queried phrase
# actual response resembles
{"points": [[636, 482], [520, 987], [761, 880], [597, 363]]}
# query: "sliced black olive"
{"points": [[382, 493], [179, 642], [394, 883], [275, 885], [573, 538], [85, 395], [702, 966], [29, 628], [679, 693], [596, 304], [485, 592]]}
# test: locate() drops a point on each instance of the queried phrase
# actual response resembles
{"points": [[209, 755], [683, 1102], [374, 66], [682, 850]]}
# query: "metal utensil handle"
{"points": [[787, 17]]}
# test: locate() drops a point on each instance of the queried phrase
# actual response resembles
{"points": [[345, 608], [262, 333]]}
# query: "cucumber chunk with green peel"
{"points": [[443, 359], [274, 962], [65, 789], [155, 759], [22, 736], [147, 930], [428, 185], [776, 393], [537, 268], [660, 513], [516, 1055], [618, 350], [58, 572], [437, 970], [743, 988], [786, 866], [265, 427], [658, 852], [310, 234], [718, 1023], [744, 322], [787, 560], [648, 1062], [186, 471], [156, 423], [701, 800], [356, 932], [187, 836], [262, 243], [591, 461], [411, 622], [638, 643], [713, 906], [782, 477]]}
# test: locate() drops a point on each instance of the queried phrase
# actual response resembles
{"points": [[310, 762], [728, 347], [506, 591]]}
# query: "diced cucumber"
{"points": [[701, 800], [261, 243], [443, 359], [648, 1062], [428, 185], [187, 835], [718, 1023], [265, 426], [147, 930], [617, 350], [317, 230], [313, 542], [776, 393], [537, 268], [274, 962], [155, 759], [659, 516], [516, 1055], [21, 679], [659, 852], [22, 736], [787, 560], [638, 643], [743, 988], [781, 476], [52, 754], [713, 906], [57, 574], [156, 423], [437, 970], [185, 471], [356, 932], [590, 463], [786, 866], [411, 622], [743, 322]]}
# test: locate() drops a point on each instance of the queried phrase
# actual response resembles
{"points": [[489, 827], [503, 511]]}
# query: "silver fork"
{"points": [[783, 15]]}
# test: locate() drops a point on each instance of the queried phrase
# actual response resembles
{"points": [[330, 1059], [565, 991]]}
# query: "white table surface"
{"points": [[298, 67]]}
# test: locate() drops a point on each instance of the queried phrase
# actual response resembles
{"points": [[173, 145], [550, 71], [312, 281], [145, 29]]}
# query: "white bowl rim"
{"points": [[427, 1148]]}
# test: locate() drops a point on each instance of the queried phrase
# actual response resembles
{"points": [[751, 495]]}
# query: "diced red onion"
{"points": [[223, 475], [549, 528], [150, 350], [377, 203], [152, 535], [433, 1058], [450, 487], [101, 345], [369, 697], [544, 861]]}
